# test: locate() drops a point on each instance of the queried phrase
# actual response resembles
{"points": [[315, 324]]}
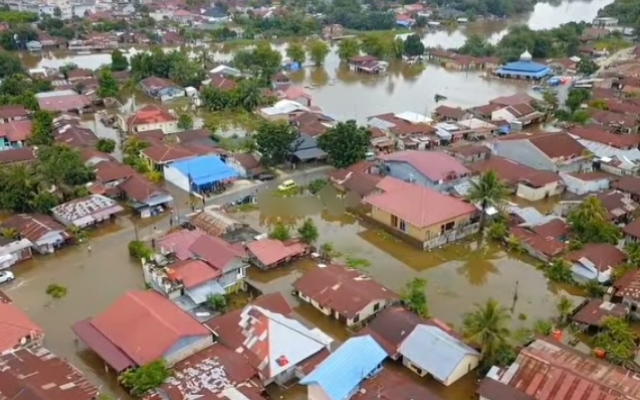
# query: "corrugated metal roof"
{"points": [[343, 372], [435, 351], [206, 169]]}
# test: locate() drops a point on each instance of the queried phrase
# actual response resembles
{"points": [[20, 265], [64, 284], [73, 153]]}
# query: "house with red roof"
{"points": [[543, 238], [17, 330], [431, 219], [271, 253], [297, 94], [151, 117], [142, 327], [595, 261], [432, 169], [12, 112], [14, 134], [344, 294]]}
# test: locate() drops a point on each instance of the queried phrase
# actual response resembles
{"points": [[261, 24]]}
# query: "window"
{"points": [[242, 272], [446, 227], [356, 318], [402, 226], [376, 307]]}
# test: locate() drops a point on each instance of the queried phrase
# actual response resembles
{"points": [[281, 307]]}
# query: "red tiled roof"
{"points": [[67, 102], [155, 83], [179, 242], [162, 153], [450, 112], [37, 374], [22, 154], [592, 176], [548, 370], [271, 251], [615, 119], [604, 256], [558, 145], [633, 229], [427, 207], [217, 252], [145, 325], [617, 203], [549, 245], [13, 111], [208, 374], [221, 82], [32, 226], [108, 171], [99, 344], [150, 114], [139, 188], [248, 161], [517, 98], [514, 173], [434, 165], [194, 273], [15, 325], [487, 109], [344, 290], [628, 285], [601, 135], [627, 184], [228, 328], [74, 135], [16, 131]]}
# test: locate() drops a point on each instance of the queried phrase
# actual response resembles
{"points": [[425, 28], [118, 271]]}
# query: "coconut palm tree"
{"points": [[564, 307], [543, 327], [487, 327], [488, 191]]}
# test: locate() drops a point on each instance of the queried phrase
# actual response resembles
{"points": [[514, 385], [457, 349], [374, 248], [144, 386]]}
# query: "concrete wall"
{"points": [[187, 346], [173, 175], [166, 127], [315, 392], [535, 194], [581, 187], [367, 312], [468, 363]]}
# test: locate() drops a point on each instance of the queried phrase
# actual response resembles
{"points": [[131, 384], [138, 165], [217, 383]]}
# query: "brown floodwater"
{"points": [[345, 95]]}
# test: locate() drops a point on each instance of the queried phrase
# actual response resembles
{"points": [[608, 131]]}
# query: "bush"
{"points": [[316, 185], [56, 291], [145, 378], [138, 249]]}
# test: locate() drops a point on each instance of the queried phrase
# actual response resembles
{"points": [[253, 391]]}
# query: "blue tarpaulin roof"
{"points": [[205, 170], [342, 372]]}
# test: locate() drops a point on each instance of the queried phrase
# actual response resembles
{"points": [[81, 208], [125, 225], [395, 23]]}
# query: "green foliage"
{"points": [[357, 263], [275, 141], [18, 17], [562, 41], [346, 143], [318, 51], [108, 84], [41, 129], [106, 145], [558, 270], [414, 297], [138, 250], [498, 231], [564, 306], [56, 291], [308, 231], [587, 66], [327, 251], [352, 16], [185, 122], [488, 191], [382, 45], [20, 89], [263, 61], [413, 46], [246, 96], [618, 340], [145, 378], [289, 25], [590, 223], [175, 65], [296, 52], [487, 327], [627, 12], [118, 61], [543, 327], [316, 185], [594, 289], [348, 48], [280, 232], [576, 98], [217, 302]]}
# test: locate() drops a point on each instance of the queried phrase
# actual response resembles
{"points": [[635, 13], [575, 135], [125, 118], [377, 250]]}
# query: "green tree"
{"points": [[498, 230], [106, 145], [185, 122], [145, 378], [594, 289], [308, 231], [138, 250], [275, 140], [576, 98], [108, 84], [413, 46], [348, 48], [488, 191], [590, 223], [280, 231], [543, 327], [587, 66], [296, 52], [249, 94], [327, 251], [41, 129], [118, 61], [487, 327], [558, 270], [318, 51], [414, 297], [564, 306], [10, 64], [217, 302], [357, 263], [56, 291], [57, 12], [550, 99], [346, 143], [379, 45], [618, 340]]}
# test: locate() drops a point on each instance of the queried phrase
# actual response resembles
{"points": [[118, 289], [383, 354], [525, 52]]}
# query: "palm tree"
{"points": [[487, 327], [543, 327], [488, 191], [564, 307]]}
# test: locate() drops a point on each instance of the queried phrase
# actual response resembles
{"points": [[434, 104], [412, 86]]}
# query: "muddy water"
{"points": [[459, 276]]}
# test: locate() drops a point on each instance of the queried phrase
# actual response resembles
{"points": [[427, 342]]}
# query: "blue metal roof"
{"points": [[524, 66], [342, 372], [435, 351], [206, 169]]}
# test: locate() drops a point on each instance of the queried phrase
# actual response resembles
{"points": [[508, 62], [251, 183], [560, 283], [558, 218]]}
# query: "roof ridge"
{"points": [[158, 316], [269, 314], [459, 343]]}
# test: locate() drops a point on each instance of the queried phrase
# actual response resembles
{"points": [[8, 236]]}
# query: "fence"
{"points": [[451, 236]]}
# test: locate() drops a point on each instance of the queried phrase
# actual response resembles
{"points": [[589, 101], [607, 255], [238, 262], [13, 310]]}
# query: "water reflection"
{"points": [[478, 258]]}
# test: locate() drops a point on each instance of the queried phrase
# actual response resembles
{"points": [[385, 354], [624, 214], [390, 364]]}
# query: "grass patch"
{"points": [[232, 119]]}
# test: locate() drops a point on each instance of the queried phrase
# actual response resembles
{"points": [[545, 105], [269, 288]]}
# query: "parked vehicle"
{"points": [[6, 276], [286, 185], [266, 177]]}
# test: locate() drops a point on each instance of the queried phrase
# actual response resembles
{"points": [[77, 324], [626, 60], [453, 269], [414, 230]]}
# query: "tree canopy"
{"points": [[413, 46], [318, 51], [488, 191], [146, 377], [247, 95], [618, 340], [346, 143], [590, 223], [263, 61], [118, 61], [108, 85], [487, 327], [414, 297], [275, 141], [175, 65], [308, 231]]}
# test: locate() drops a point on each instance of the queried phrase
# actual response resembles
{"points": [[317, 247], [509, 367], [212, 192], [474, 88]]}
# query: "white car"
{"points": [[6, 276]]}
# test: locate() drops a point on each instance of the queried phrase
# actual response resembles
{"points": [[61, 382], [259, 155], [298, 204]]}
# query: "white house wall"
{"points": [[580, 187], [173, 175]]}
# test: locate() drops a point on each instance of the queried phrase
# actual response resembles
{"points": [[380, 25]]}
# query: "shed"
{"points": [[200, 174]]}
